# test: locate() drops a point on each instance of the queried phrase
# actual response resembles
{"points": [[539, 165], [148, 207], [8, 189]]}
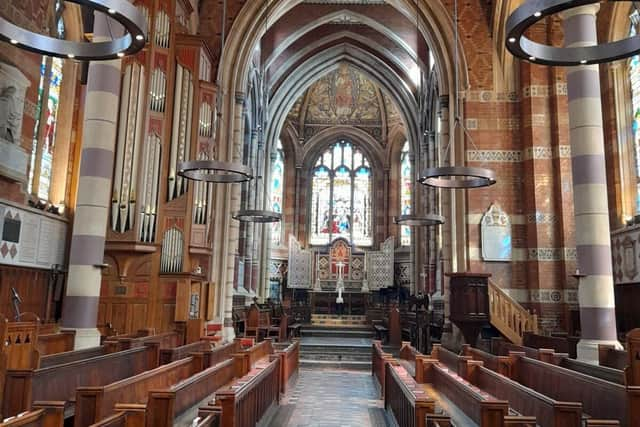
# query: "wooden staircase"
{"points": [[508, 316]]}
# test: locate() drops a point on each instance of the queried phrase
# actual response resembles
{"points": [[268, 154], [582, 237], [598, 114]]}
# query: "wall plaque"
{"points": [[495, 230]]}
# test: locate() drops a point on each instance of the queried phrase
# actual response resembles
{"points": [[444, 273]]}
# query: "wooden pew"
{"points": [[499, 364], [168, 355], [378, 361], [59, 383], [404, 398], [128, 415], [56, 343], [164, 406], [600, 398], [249, 399], [289, 364], [73, 356], [246, 359], [170, 339], [483, 408], [94, 403], [281, 330], [559, 344], [560, 359], [52, 416], [611, 357]]}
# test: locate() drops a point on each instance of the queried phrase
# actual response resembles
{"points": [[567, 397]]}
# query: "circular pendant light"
{"points": [[418, 220], [121, 11], [214, 171], [458, 177], [532, 11], [463, 177], [254, 215]]}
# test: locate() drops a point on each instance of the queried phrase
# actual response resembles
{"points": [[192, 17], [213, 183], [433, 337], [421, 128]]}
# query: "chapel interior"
{"points": [[238, 213]]}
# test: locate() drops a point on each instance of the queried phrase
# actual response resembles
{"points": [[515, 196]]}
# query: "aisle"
{"points": [[331, 398]]}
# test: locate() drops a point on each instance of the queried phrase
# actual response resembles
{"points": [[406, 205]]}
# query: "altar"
{"points": [[319, 277]]}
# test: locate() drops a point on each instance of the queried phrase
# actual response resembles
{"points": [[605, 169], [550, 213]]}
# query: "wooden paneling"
{"points": [[32, 286]]}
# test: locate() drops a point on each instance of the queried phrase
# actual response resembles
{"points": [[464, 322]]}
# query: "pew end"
{"points": [[519, 421]]}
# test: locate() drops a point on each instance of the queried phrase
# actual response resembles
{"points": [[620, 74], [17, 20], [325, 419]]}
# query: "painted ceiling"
{"points": [[344, 97]]}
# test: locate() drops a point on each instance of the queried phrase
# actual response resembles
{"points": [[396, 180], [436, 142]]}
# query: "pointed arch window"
{"points": [[41, 162], [341, 196], [277, 192], [406, 186]]}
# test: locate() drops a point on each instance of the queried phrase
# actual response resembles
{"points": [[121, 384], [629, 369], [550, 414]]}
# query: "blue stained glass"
{"points": [[341, 197], [277, 179], [406, 185]]}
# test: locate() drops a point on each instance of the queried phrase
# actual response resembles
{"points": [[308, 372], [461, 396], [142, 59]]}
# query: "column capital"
{"points": [[589, 9]]}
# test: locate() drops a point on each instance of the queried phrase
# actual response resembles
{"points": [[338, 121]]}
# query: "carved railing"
{"points": [[508, 316]]}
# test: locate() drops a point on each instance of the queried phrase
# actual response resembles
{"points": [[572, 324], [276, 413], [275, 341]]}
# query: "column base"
{"points": [[588, 349], [85, 337]]}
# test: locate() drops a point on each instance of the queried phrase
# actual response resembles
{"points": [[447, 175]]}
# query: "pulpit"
{"points": [[469, 303]]}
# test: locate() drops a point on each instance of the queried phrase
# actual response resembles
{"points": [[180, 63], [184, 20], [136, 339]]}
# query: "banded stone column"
{"points": [[593, 244], [80, 311]]}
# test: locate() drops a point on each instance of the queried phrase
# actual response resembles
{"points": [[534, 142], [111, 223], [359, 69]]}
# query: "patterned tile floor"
{"points": [[331, 398]]}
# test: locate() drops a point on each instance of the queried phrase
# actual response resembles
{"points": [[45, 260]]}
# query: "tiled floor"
{"points": [[331, 398]]}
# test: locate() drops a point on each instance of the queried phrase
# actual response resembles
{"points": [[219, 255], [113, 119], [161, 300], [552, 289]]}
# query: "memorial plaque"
{"points": [[495, 230]]}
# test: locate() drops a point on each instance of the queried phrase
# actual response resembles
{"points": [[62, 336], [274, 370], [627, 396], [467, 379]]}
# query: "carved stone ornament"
{"points": [[630, 266], [13, 87], [495, 230]]}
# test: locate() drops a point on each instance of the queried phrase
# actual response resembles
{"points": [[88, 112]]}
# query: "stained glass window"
{"points": [[49, 130], [634, 77], [341, 196], [277, 191], [406, 184]]}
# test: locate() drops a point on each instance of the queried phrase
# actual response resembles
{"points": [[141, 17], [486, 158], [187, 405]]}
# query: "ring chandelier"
{"points": [[121, 11], [533, 11], [257, 216], [214, 171], [419, 221], [463, 177]]}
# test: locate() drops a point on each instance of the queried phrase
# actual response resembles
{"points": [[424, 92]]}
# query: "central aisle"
{"points": [[331, 398]]}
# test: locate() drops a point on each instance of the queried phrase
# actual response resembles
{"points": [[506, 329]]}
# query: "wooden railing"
{"points": [[508, 316], [245, 405], [378, 360]]}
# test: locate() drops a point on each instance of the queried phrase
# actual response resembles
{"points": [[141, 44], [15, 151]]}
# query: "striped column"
{"points": [[80, 311], [593, 244]]}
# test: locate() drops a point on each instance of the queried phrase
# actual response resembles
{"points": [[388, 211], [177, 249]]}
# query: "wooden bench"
{"points": [[52, 416], [165, 406], [611, 357], [289, 364], [561, 344], [72, 356], [59, 383], [378, 361], [251, 397], [600, 398], [56, 343], [94, 403], [168, 355], [246, 359], [483, 408], [165, 340], [404, 399]]}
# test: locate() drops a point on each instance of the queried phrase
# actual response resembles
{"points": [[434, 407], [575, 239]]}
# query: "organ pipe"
{"points": [[130, 130], [162, 29], [149, 188], [181, 131], [158, 91]]}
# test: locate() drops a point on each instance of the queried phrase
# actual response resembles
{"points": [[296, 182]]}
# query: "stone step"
{"points": [[337, 357], [337, 332], [338, 317], [334, 349], [320, 364]]}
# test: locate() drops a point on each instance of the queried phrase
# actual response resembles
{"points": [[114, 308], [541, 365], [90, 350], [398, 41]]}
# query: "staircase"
{"points": [[337, 342], [508, 316]]}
